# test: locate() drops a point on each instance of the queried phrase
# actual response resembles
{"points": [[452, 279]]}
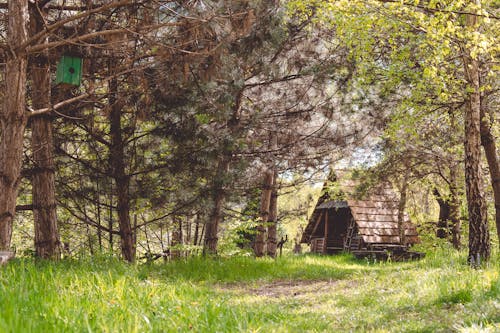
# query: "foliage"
{"points": [[207, 84], [296, 203]]}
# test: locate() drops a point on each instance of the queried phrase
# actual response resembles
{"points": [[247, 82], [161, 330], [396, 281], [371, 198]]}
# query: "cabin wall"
{"points": [[356, 243], [317, 245]]}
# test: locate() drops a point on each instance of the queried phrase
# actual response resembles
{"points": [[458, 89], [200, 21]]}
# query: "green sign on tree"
{"points": [[69, 70]]}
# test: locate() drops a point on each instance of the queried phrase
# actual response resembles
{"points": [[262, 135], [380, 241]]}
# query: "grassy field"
{"points": [[292, 294]]}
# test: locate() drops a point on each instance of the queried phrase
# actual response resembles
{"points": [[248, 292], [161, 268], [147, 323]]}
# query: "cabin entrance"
{"points": [[332, 231], [338, 223]]}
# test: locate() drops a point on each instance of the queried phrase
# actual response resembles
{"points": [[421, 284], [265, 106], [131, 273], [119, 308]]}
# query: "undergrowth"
{"points": [[437, 294]]}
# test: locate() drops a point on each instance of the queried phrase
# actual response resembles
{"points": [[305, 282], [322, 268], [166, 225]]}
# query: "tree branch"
{"points": [[439, 10], [20, 208], [35, 38], [59, 105]]}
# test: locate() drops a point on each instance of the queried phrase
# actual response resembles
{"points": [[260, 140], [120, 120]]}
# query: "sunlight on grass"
{"points": [[289, 294]]}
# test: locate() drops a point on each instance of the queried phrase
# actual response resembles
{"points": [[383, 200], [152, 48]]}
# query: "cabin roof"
{"points": [[333, 204], [375, 214]]}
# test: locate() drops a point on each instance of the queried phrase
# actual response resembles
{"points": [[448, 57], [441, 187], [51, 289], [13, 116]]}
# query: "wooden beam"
{"points": [[317, 224]]}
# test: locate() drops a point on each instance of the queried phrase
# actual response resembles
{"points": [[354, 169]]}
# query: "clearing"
{"points": [[304, 293]]}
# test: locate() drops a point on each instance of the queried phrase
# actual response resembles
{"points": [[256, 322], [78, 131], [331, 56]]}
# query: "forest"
{"points": [[248, 165]]}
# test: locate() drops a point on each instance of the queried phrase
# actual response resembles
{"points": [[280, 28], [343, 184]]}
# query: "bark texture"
{"points": [[479, 237], [219, 181], [47, 244], [176, 238], [490, 151], [122, 180], [265, 201], [272, 223], [443, 225], [218, 199], [454, 205], [12, 117], [196, 229]]}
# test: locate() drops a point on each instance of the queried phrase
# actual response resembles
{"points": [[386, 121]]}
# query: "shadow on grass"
{"points": [[214, 269], [248, 269], [184, 294]]}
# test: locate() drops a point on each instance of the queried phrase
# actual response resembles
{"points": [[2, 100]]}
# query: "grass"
{"points": [[291, 294]]}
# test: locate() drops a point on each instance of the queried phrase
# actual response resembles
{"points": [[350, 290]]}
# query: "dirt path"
{"points": [[279, 289]]}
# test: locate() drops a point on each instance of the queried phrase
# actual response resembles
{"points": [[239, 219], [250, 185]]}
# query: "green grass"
{"points": [[292, 294]]}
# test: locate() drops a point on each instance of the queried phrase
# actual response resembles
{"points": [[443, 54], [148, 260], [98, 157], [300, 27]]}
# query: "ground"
{"points": [[299, 289], [304, 293]]}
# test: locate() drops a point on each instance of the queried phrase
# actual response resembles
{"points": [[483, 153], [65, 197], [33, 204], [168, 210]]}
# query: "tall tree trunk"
{"points": [[47, 244], [99, 217], [454, 205], [117, 162], [176, 237], [265, 201], [490, 151], [202, 234], [272, 222], [219, 182], [218, 198], [89, 239], [188, 228], [13, 117], [401, 208], [110, 212], [196, 229], [479, 237], [443, 225]]}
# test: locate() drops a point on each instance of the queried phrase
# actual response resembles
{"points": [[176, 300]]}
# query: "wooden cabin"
{"points": [[363, 225]]}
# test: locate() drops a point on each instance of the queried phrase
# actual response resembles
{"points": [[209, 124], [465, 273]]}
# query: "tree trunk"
{"points": [[196, 229], [187, 227], [117, 163], [454, 205], [12, 118], [272, 222], [218, 198], [401, 209], [47, 244], [89, 238], [490, 151], [99, 217], [443, 225], [265, 201], [176, 238], [219, 182], [110, 221], [479, 237], [202, 234]]}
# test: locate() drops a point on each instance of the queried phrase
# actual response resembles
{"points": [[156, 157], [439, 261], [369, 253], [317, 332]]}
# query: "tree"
{"points": [[47, 243], [62, 32], [440, 35], [479, 237], [13, 118]]}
